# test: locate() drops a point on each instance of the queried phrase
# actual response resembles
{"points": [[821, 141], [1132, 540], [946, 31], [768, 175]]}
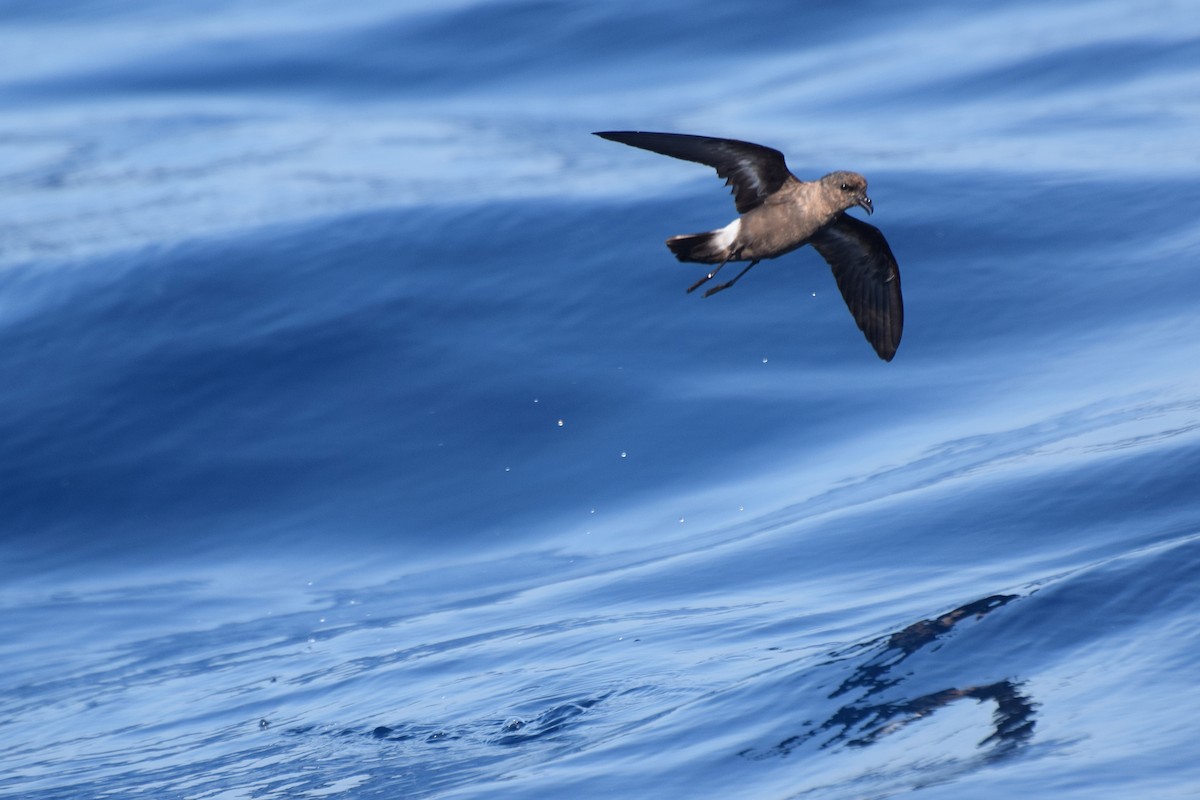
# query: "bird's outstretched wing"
{"points": [[868, 277], [754, 171]]}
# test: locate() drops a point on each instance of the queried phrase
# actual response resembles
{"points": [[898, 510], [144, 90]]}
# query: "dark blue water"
{"points": [[359, 439]]}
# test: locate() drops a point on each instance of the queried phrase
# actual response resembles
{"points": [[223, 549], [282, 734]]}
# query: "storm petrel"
{"points": [[777, 214]]}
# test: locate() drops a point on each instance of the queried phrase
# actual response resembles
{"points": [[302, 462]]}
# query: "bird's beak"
{"points": [[866, 203]]}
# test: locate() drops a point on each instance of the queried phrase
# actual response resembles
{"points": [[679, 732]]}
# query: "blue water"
{"points": [[359, 439]]}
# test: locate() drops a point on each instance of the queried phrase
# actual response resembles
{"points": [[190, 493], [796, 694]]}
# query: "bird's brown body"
{"points": [[780, 213]]}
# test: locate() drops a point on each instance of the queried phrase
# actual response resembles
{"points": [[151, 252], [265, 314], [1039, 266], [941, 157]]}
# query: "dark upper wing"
{"points": [[868, 277], [752, 170]]}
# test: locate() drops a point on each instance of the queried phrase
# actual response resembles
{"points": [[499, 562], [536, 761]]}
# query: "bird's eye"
{"points": [[845, 187]]}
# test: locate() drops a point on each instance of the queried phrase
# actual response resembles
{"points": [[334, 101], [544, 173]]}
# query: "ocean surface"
{"points": [[359, 440]]}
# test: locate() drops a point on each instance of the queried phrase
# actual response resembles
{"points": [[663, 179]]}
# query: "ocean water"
{"points": [[359, 439]]}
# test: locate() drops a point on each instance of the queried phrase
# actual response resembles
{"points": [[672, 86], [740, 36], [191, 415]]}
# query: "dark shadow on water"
{"points": [[560, 718], [548, 723], [513, 731]]}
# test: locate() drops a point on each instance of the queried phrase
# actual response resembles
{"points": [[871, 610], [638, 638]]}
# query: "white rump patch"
{"points": [[725, 237]]}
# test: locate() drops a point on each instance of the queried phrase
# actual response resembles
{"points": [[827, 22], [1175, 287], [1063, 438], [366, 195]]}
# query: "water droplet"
{"points": [[764, 359], [624, 454], [560, 423]]}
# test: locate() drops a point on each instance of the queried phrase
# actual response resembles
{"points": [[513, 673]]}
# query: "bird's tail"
{"points": [[704, 248], [714, 247]]}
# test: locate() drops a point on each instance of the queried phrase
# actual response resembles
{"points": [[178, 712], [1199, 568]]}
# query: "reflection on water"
{"points": [[863, 721]]}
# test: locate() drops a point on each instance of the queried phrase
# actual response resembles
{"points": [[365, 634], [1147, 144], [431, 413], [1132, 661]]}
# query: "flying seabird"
{"points": [[777, 214]]}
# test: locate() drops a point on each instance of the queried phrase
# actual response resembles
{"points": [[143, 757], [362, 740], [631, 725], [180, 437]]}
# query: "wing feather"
{"points": [[868, 277], [754, 171]]}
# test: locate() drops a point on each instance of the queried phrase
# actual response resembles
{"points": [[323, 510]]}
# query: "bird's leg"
{"points": [[727, 284], [707, 277]]}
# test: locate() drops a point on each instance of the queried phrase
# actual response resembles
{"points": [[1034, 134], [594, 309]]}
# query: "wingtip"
{"points": [[885, 348], [620, 137]]}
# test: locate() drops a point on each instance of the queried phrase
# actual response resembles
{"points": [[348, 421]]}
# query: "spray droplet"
{"points": [[624, 454], [560, 423]]}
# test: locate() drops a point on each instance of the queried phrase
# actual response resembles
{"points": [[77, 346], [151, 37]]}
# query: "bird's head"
{"points": [[849, 188]]}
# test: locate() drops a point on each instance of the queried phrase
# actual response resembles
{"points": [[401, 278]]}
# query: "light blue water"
{"points": [[359, 439]]}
